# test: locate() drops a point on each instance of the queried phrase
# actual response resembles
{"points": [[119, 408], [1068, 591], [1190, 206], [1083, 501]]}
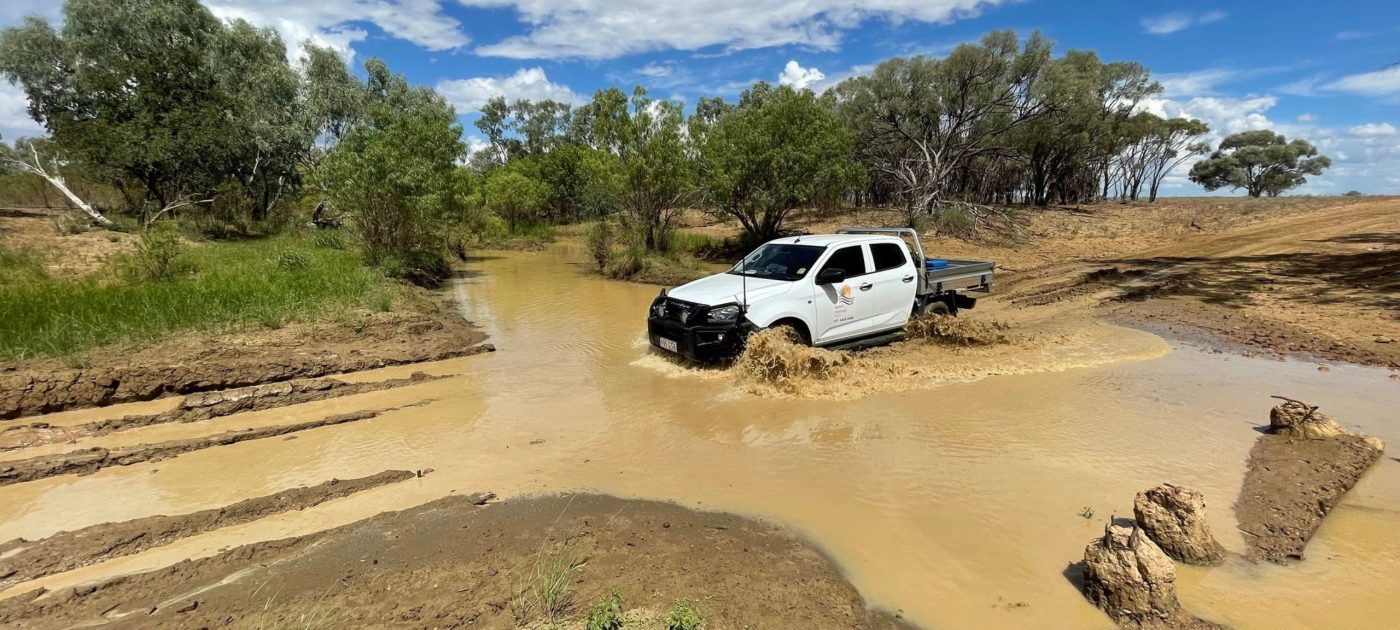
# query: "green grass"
{"points": [[221, 286]]}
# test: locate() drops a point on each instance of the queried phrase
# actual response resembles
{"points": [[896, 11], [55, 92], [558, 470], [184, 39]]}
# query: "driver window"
{"points": [[849, 259]]}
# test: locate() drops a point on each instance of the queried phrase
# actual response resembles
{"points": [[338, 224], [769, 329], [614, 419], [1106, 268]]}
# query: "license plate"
{"points": [[667, 344]]}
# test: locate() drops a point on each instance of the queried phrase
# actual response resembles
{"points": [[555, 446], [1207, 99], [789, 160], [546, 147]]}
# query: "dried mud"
{"points": [[206, 406], [91, 460], [1290, 486], [194, 363], [454, 562], [72, 549]]}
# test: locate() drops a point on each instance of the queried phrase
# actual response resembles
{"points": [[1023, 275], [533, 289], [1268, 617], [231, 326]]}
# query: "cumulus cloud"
{"points": [[1168, 23], [1306, 118], [798, 77], [605, 30], [1378, 83], [1374, 130], [1195, 83], [339, 24], [527, 83], [656, 70]]}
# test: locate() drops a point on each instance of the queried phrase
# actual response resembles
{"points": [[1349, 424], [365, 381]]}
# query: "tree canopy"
{"points": [[1260, 162]]}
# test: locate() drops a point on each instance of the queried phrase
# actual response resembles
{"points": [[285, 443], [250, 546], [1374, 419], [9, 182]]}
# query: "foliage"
{"points": [[157, 255], [779, 150], [607, 613], [201, 101], [599, 240], [1260, 162], [684, 616], [514, 197], [548, 588], [395, 170], [230, 285]]}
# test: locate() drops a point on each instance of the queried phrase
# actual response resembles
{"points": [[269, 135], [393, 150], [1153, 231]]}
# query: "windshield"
{"points": [[779, 261]]}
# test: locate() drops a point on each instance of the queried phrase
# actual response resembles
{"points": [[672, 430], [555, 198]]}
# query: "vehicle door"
{"points": [[892, 282], [842, 309]]}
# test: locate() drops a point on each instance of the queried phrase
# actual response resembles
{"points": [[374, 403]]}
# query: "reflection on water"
{"points": [[946, 503]]}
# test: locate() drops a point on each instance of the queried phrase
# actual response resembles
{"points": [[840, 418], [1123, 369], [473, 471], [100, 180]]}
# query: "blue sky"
{"points": [[1317, 70]]}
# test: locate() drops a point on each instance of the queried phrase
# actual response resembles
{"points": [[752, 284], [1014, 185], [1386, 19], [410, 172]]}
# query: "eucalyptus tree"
{"points": [[779, 150], [1260, 162], [921, 123]]}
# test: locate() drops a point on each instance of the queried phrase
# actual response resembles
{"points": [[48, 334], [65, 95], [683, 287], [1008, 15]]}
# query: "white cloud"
{"points": [[527, 83], [798, 77], [1306, 118], [14, 114], [1176, 21], [1373, 130], [1344, 35], [340, 23], [656, 70], [1196, 83], [605, 30], [1378, 83], [12, 11]]}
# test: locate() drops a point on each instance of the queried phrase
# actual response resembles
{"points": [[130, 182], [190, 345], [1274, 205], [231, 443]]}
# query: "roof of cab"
{"points": [[823, 240]]}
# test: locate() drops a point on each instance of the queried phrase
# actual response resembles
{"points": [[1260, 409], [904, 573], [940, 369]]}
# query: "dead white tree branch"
{"points": [[55, 179]]}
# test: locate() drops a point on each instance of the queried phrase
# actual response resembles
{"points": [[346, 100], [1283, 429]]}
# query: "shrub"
{"points": [[606, 614], [329, 239], [600, 239], [625, 263], [684, 616], [71, 223], [157, 255]]}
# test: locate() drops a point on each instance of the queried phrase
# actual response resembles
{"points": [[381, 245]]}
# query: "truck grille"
{"points": [[676, 310]]}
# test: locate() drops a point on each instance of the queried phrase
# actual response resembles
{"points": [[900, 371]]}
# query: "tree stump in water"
{"points": [[1294, 418], [1129, 577], [1175, 518]]}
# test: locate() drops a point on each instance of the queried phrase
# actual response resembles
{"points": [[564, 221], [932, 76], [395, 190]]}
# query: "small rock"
{"points": [[1174, 517], [188, 607], [1384, 340]]}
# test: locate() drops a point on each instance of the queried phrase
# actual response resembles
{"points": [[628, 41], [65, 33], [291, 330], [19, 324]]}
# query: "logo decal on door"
{"points": [[848, 297]]}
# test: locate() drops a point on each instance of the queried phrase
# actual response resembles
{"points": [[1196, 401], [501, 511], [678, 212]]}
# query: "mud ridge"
{"points": [[1297, 473], [453, 563], [206, 406], [194, 363], [69, 550], [91, 460]]}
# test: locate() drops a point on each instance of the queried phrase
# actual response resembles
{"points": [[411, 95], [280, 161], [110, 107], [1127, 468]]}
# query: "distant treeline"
{"points": [[174, 112]]}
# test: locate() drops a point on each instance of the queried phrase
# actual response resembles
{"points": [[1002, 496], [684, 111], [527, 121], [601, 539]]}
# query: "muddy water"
{"points": [[954, 502]]}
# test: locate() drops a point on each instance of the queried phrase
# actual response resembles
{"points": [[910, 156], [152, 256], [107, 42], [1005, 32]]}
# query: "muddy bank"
{"points": [[1296, 475], [91, 460], [69, 550], [454, 562], [205, 406], [195, 363]]}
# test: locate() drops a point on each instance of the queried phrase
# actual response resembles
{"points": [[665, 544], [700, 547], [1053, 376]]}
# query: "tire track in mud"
{"points": [[69, 550], [207, 406], [91, 460]]}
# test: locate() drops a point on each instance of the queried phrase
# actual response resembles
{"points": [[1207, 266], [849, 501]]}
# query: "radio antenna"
{"points": [[744, 283]]}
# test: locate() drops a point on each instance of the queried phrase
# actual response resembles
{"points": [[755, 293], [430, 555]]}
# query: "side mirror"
{"points": [[831, 275]]}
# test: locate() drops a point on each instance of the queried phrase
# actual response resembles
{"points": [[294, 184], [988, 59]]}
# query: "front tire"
{"points": [[792, 333]]}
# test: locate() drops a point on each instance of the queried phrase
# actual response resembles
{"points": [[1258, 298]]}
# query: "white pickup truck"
{"points": [[858, 286]]}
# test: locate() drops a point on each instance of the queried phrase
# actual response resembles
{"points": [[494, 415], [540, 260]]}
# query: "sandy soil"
{"points": [[26, 560], [82, 253], [453, 563]]}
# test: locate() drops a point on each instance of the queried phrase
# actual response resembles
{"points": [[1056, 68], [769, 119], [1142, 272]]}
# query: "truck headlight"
{"points": [[726, 313]]}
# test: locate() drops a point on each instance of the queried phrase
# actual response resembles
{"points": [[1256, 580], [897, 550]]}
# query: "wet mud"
{"points": [[206, 406], [197, 363], [1291, 485], [455, 562], [91, 460], [22, 560]]}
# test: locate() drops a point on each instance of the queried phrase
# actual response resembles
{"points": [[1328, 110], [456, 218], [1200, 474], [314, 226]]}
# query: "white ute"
{"points": [[858, 286]]}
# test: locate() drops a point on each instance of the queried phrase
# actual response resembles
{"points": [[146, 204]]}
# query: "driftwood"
{"points": [[325, 222]]}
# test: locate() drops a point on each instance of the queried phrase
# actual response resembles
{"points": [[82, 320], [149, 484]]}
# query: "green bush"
{"points": [[329, 239], [600, 239], [684, 616], [625, 263], [606, 614], [293, 260], [158, 255]]}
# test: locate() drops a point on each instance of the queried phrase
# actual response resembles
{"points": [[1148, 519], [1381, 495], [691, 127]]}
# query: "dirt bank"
{"points": [[205, 406], [69, 550], [196, 363], [91, 460], [1290, 486], [454, 563]]}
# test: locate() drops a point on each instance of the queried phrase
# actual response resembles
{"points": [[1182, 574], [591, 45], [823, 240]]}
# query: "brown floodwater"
{"points": [[955, 496]]}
